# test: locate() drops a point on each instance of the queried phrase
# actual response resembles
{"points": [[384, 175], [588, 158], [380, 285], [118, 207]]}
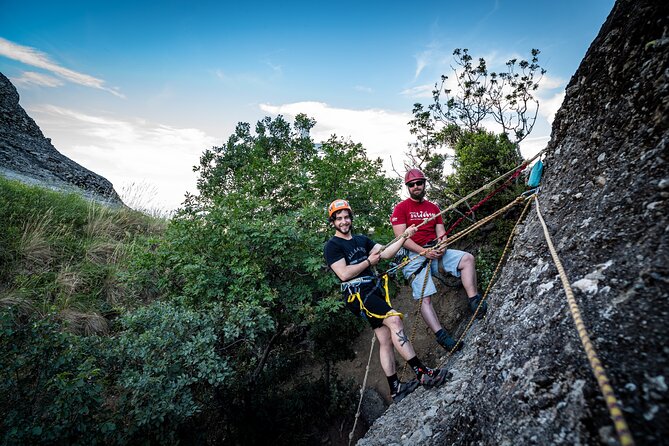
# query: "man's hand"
{"points": [[434, 254], [410, 231], [374, 258]]}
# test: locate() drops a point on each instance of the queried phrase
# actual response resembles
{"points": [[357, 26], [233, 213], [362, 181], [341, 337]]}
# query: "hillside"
{"points": [[27, 155], [523, 377]]}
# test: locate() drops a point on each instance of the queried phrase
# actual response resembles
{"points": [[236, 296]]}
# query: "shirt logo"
{"points": [[420, 215]]}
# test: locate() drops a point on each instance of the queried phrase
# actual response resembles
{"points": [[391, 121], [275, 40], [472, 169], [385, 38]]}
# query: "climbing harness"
{"points": [[352, 287], [597, 369]]}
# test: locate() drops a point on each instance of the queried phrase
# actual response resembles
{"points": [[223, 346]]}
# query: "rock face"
{"points": [[27, 155], [523, 377]]}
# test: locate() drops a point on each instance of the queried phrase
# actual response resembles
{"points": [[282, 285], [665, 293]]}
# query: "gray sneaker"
{"points": [[404, 390], [434, 377]]}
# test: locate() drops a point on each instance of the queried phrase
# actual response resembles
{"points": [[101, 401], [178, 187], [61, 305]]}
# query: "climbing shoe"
{"points": [[434, 377], [446, 341], [404, 390], [474, 303]]}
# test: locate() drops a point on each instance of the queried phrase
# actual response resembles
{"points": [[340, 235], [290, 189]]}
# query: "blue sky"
{"points": [[137, 90]]}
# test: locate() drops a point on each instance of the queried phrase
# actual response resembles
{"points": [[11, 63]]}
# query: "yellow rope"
{"points": [[596, 366], [362, 391]]}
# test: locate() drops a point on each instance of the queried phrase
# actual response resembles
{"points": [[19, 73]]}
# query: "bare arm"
{"points": [[347, 272], [404, 237], [408, 244]]}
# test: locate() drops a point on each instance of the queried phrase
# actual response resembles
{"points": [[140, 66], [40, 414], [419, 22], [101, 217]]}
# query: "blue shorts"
{"points": [[449, 261]]}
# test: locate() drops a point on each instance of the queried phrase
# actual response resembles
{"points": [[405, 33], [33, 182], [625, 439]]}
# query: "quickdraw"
{"points": [[353, 289]]}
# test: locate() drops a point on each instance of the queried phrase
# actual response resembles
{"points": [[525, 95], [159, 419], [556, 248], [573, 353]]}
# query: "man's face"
{"points": [[416, 189], [342, 221]]}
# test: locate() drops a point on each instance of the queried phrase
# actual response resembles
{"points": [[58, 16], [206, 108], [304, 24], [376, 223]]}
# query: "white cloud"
{"points": [[43, 80], [31, 56], [383, 133], [128, 151], [419, 91], [548, 107]]}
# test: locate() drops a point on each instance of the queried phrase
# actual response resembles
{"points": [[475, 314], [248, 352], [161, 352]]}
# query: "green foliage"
{"points": [[166, 365], [51, 384]]}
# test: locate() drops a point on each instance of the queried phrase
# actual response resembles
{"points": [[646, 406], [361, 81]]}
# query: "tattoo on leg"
{"points": [[402, 337]]}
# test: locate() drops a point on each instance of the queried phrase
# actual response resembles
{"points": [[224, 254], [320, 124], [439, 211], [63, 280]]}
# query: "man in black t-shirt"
{"points": [[352, 258]]}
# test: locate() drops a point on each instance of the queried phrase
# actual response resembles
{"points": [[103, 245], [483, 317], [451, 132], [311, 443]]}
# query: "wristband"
{"points": [[370, 263]]}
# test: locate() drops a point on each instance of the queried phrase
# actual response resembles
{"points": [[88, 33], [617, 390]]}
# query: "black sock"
{"points": [[393, 383], [474, 297], [418, 368], [437, 334]]}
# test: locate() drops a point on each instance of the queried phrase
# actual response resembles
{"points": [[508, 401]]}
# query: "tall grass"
{"points": [[60, 253]]}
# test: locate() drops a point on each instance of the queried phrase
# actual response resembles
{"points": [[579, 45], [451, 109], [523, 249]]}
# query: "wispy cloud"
{"points": [[43, 80], [383, 133], [33, 57], [127, 151], [364, 89], [419, 91]]}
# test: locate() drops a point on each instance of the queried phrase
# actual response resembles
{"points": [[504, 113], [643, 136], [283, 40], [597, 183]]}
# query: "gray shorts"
{"points": [[449, 261]]}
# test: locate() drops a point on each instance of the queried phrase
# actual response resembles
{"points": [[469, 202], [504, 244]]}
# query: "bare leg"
{"points": [[467, 267], [399, 338], [386, 353], [429, 315]]}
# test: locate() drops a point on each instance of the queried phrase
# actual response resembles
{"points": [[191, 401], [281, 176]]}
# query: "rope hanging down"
{"points": [[492, 279], [596, 366]]}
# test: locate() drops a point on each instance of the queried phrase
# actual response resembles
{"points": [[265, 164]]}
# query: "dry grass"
{"points": [[100, 220], [13, 299], [68, 280], [34, 247], [84, 323], [101, 252]]}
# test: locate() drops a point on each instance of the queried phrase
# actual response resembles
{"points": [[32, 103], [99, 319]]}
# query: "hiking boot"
{"points": [[446, 341], [404, 390], [474, 304], [434, 377]]}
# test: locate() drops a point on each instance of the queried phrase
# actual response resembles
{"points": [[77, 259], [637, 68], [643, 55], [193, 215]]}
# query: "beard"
{"points": [[418, 196], [345, 231]]}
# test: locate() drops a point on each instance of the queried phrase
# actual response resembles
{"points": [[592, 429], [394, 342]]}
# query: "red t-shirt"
{"points": [[411, 212]]}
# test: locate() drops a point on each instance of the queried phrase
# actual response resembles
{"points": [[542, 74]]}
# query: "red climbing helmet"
{"points": [[338, 205], [413, 174]]}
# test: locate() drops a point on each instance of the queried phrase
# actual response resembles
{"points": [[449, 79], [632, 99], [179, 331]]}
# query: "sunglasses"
{"points": [[416, 183]]}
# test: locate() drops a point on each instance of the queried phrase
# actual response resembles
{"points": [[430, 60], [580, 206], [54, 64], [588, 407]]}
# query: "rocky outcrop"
{"points": [[523, 377], [25, 154]]}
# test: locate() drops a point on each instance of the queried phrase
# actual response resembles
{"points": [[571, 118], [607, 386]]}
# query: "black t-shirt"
{"points": [[353, 251]]}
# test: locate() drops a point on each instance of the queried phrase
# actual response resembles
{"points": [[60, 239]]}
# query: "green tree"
{"points": [[250, 244]]}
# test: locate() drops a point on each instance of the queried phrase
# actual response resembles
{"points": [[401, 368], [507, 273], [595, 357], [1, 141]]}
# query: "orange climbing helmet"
{"points": [[338, 205], [413, 174]]}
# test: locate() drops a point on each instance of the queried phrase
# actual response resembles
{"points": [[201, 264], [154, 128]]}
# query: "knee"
{"points": [[394, 323], [467, 261]]}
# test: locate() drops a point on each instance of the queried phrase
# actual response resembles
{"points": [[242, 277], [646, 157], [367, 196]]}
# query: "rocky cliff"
{"points": [[27, 155], [523, 377]]}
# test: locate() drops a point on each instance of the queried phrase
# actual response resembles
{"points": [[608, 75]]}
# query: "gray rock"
{"points": [[26, 155]]}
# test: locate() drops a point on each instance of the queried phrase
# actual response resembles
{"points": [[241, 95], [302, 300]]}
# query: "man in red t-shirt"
{"points": [[413, 211]]}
